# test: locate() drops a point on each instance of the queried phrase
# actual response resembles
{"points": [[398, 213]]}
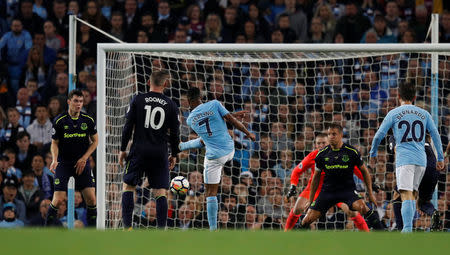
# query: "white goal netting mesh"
{"points": [[291, 97]]}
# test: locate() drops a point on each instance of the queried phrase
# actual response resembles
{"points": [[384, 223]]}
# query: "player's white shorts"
{"points": [[213, 168], [409, 177]]}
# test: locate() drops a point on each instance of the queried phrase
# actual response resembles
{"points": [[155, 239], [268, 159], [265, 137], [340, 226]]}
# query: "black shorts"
{"points": [[327, 199], [155, 168], [63, 172], [428, 184]]}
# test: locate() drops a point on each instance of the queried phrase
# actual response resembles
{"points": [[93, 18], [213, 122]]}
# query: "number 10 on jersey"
{"points": [[150, 116]]}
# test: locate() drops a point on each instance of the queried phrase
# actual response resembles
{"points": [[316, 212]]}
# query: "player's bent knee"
{"points": [[127, 187]]}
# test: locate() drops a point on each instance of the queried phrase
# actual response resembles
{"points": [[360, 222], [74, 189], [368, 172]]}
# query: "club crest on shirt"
{"points": [[66, 127], [345, 158], [84, 126]]}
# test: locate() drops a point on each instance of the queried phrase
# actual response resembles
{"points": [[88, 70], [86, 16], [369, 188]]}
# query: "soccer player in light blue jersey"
{"points": [[409, 124], [208, 121]]}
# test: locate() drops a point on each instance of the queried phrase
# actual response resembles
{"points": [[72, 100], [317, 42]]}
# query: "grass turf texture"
{"points": [[80, 242]]}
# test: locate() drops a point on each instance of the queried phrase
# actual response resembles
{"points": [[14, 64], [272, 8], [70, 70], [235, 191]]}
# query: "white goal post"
{"points": [[117, 78]]}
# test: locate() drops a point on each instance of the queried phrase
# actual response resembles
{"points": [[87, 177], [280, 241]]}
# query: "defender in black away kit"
{"points": [[74, 139], [338, 160], [154, 119]]}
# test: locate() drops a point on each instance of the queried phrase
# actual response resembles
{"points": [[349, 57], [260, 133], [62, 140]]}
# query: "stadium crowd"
{"points": [[288, 103]]}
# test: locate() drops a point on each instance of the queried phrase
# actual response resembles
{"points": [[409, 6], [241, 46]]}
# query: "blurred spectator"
{"points": [[185, 216], [284, 168], [54, 108], [444, 36], [40, 10], [48, 53], [25, 151], [39, 220], [280, 137], [297, 20], [40, 129], [213, 28], [326, 16], [392, 17], [94, 16], [73, 8], [277, 36], [382, 31], [12, 44], [11, 170], [283, 23], [30, 20], [9, 189], [263, 27], [195, 16], [353, 24], [43, 176], [35, 68], [317, 35], [8, 135], [53, 40], [9, 217], [30, 194], [267, 156], [60, 19], [250, 33], [230, 25], [420, 23], [24, 107], [89, 105], [117, 27], [166, 21]]}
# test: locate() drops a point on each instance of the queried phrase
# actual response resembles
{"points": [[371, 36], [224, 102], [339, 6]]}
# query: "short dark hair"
{"points": [[22, 134], [320, 135], [75, 92], [336, 126], [407, 91], [193, 93], [159, 77]]}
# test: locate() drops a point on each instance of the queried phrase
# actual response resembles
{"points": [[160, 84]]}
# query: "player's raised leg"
{"points": [[356, 217], [300, 207], [372, 217]]}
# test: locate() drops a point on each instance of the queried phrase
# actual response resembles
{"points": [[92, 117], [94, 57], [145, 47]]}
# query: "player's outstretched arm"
{"points": [[431, 127], [192, 144], [380, 134], [81, 163], [233, 121], [55, 152], [368, 183], [314, 184]]}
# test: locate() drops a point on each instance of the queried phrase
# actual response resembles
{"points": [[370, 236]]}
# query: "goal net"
{"points": [[291, 93]]}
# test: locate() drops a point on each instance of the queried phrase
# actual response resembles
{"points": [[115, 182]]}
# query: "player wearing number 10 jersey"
{"points": [[208, 121], [408, 123], [152, 116]]}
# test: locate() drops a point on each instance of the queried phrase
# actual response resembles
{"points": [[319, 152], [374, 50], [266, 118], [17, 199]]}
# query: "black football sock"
{"points": [[127, 208], [161, 211], [91, 216], [51, 215], [397, 206], [373, 220]]}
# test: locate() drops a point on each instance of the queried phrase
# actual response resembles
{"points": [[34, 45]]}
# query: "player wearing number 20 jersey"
{"points": [[409, 124]]}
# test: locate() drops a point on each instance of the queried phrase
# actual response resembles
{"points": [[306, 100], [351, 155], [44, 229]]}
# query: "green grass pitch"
{"points": [[81, 242]]}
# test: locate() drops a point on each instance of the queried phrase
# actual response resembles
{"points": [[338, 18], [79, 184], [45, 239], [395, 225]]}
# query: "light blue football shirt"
{"points": [[207, 121], [409, 124]]}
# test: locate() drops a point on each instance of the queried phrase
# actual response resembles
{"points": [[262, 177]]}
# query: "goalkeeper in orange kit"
{"points": [[302, 202]]}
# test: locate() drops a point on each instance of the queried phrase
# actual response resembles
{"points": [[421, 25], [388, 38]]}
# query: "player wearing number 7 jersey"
{"points": [[208, 121], [152, 116], [409, 124]]}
